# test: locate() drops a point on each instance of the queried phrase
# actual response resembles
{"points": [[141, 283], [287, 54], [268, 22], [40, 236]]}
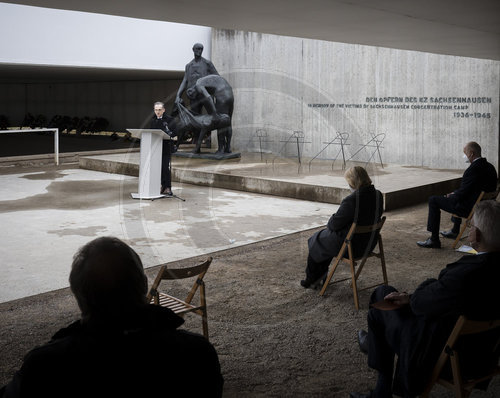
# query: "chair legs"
{"points": [[462, 230], [354, 285], [356, 272], [382, 260], [204, 317], [338, 259]]}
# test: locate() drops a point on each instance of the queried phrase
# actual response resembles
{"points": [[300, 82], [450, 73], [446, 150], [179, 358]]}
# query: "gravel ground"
{"points": [[274, 338]]}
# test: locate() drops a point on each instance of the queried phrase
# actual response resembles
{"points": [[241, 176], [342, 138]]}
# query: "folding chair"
{"points": [[347, 245], [180, 307], [466, 220], [459, 383]]}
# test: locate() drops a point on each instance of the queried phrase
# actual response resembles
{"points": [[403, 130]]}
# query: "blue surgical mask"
{"points": [[466, 158]]}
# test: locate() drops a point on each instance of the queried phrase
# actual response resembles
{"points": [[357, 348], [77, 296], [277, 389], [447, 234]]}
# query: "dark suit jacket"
{"points": [[479, 176], [467, 287], [364, 206], [166, 123]]}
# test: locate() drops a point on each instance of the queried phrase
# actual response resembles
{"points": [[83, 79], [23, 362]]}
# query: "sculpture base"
{"points": [[208, 155]]}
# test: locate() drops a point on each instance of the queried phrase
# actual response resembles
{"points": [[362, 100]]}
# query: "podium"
{"points": [[150, 166]]}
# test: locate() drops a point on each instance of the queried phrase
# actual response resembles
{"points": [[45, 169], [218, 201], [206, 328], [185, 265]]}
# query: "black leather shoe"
{"points": [[360, 395], [430, 244], [305, 283], [449, 234], [311, 284], [363, 341]]}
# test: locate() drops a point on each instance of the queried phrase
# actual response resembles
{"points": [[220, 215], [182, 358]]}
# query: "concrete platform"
{"points": [[320, 180]]}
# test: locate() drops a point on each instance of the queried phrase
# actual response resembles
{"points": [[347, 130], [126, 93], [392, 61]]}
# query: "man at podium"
{"points": [[166, 123]]}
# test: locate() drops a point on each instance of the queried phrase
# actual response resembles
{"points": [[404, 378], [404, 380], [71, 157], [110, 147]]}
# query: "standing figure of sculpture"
{"points": [[198, 67]]}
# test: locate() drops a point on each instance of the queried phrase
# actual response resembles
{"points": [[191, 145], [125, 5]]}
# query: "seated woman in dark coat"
{"points": [[364, 206]]}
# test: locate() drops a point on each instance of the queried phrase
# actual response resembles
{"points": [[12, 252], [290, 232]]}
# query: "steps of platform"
{"points": [[401, 186]]}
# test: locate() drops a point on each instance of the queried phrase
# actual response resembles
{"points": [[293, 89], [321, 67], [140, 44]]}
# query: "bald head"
{"points": [[472, 150]]}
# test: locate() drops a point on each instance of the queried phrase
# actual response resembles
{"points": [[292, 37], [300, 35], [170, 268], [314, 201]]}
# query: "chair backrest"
{"points": [[166, 273], [454, 351], [364, 229]]}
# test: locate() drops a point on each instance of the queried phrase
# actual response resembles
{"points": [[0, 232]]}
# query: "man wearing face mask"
{"points": [[479, 176]]}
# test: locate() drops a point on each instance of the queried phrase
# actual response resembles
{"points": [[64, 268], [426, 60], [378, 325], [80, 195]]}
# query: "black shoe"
{"points": [[430, 244], [360, 395], [363, 341], [449, 234], [162, 190], [306, 283]]}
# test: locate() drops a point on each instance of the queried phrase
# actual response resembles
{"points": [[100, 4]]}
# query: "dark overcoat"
{"points": [[467, 287], [140, 354], [364, 206]]}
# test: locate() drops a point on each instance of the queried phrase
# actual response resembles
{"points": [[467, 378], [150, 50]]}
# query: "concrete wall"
{"points": [[410, 103], [127, 104]]}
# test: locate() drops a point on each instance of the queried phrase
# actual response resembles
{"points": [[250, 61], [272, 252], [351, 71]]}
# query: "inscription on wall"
{"points": [[461, 107]]}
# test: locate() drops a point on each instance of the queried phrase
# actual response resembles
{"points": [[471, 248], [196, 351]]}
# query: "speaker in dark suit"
{"points": [[166, 123]]}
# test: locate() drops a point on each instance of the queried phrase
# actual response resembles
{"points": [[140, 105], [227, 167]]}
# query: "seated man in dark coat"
{"points": [[417, 330], [479, 176], [122, 346], [363, 206]]}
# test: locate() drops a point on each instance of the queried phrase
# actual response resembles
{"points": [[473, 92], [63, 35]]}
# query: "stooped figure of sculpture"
{"points": [[215, 94], [217, 97]]}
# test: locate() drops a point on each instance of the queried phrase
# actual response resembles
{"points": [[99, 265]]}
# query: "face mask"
{"points": [[466, 158], [352, 189]]}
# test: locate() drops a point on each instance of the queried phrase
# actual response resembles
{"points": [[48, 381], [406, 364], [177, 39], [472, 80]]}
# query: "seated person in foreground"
{"points": [[479, 176], [417, 329], [363, 206], [122, 346]]}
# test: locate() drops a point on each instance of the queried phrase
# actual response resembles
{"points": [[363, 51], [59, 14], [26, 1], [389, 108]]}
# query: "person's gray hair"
{"points": [[107, 277], [159, 103], [487, 219]]}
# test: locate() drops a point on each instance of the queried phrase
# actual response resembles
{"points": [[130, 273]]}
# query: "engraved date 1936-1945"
{"points": [[472, 115]]}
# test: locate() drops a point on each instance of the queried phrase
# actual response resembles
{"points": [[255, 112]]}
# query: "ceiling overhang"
{"points": [[454, 27]]}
